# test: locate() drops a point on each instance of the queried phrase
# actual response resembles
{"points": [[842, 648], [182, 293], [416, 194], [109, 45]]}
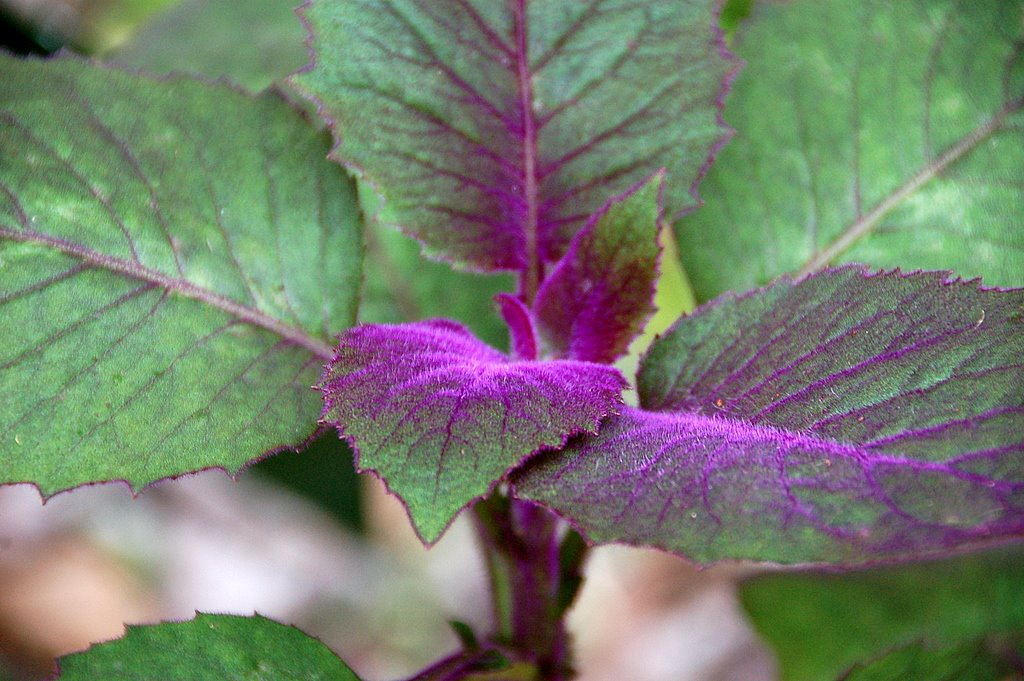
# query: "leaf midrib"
{"points": [[865, 454], [140, 272], [863, 225], [531, 275]]}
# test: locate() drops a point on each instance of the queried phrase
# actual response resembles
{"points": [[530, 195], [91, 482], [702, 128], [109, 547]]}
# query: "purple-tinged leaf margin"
{"points": [[165, 245], [494, 130], [851, 417], [600, 295], [441, 417]]}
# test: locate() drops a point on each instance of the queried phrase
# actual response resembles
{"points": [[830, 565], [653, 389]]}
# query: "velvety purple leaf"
{"points": [[493, 130], [441, 416], [849, 418], [601, 293]]}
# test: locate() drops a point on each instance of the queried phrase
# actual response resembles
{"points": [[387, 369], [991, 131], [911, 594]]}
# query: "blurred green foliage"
{"points": [[970, 662], [322, 473], [252, 42], [821, 624], [733, 13]]}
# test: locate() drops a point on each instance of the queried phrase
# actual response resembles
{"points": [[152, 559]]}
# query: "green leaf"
{"points": [[99, 26], [91, 27], [920, 663], [889, 133], [493, 130], [733, 13], [214, 647], [402, 286], [821, 624], [253, 42], [174, 260]]}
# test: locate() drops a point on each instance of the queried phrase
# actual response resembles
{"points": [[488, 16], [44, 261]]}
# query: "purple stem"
{"points": [[532, 583], [461, 665]]}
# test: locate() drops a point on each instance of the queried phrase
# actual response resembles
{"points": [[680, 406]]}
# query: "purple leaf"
{"points": [[600, 295], [441, 416], [493, 130], [847, 418], [521, 330]]}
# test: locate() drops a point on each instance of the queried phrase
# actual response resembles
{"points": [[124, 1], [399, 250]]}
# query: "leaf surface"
{"points": [[972, 662], [223, 647], [253, 42], [820, 624], [890, 133], [847, 418], [442, 417], [601, 293], [493, 130], [401, 286], [174, 259]]}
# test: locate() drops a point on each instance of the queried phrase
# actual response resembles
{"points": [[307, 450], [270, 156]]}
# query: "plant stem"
{"points": [[533, 560]]}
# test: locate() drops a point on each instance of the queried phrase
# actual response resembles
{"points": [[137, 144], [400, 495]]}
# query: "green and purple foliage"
{"points": [[181, 265], [442, 417], [816, 421]]}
